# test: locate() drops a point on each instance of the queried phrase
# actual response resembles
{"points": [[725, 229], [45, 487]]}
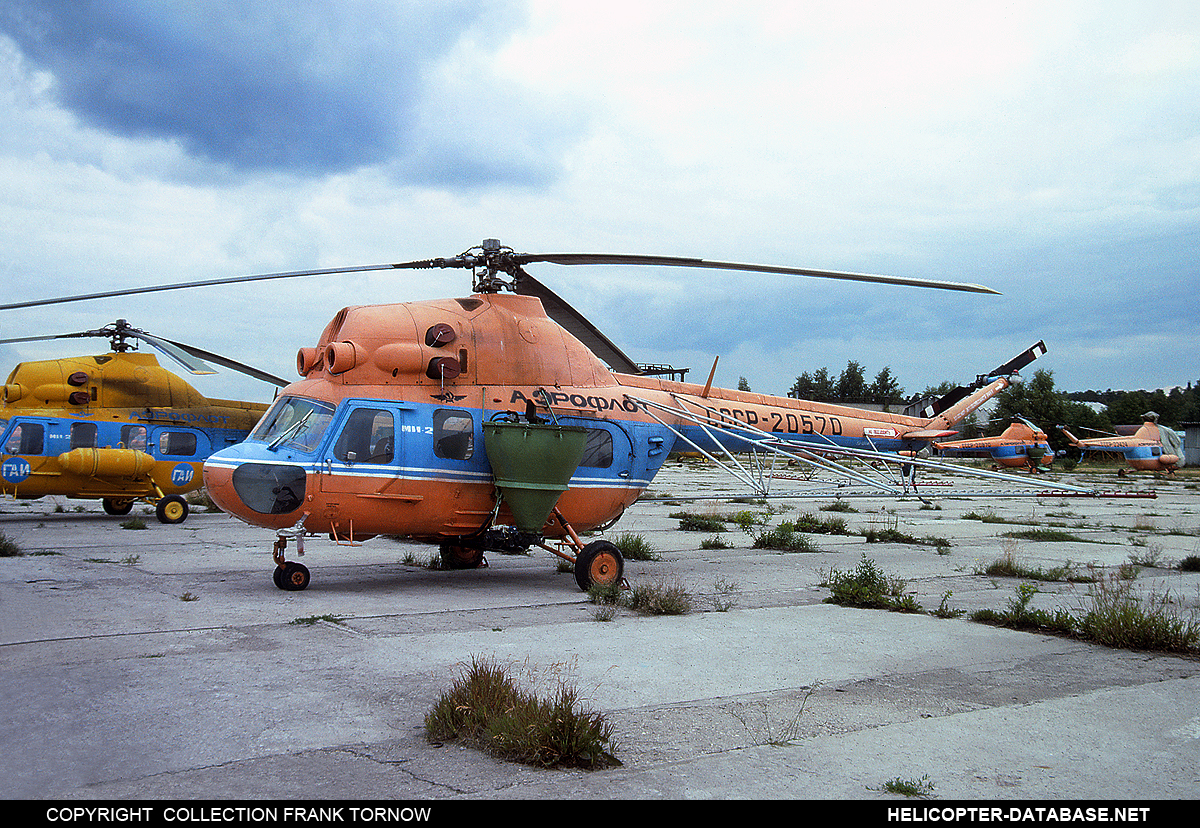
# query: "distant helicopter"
{"points": [[482, 424], [1151, 448], [1022, 445], [116, 426]]}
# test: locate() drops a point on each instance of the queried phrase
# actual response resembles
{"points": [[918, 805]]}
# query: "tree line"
{"points": [[850, 387], [1036, 399]]}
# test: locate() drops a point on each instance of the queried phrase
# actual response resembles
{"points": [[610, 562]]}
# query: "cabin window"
{"points": [[177, 444], [299, 422], [368, 437], [26, 438], [134, 437], [83, 435], [598, 450], [453, 434]]}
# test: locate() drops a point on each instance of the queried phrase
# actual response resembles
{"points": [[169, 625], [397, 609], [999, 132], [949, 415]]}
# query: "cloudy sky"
{"points": [[1049, 150]]}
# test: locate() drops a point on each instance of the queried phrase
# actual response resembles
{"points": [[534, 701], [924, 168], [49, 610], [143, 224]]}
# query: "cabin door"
{"points": [[360, 475]]}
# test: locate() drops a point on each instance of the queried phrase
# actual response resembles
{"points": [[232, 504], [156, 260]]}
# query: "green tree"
{"points": [[817, 387], [885, 390], [1190, 412], [1035, 400], [852, 385]]}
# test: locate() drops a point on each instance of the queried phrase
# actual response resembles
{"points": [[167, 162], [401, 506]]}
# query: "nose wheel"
{"points": [[288, 575], [291, 577]]}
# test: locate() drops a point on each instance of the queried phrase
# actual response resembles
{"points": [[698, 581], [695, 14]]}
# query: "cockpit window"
{"points": [[26, 438], [294, 421], [367, 437]]}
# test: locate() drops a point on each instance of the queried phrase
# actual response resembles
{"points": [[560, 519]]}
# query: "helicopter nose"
{"points": [[254, 491]]}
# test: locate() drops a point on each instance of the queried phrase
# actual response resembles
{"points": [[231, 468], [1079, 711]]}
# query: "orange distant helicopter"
{"points": [[1151, 448], [1022, 445], [116, 426], [482, 424]]}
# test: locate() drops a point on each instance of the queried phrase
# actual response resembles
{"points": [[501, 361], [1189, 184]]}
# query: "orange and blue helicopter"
{"points": [[1150, 448], [1020, 446], [504, 419], [117, 427]]}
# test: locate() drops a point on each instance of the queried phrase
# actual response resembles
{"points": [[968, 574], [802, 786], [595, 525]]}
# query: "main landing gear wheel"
{"points": [[116, 507], [171, 509], [599, 564], [291, 577]]}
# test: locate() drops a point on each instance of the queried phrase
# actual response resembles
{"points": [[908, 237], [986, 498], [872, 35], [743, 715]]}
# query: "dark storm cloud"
{"points": [[304, 87]]}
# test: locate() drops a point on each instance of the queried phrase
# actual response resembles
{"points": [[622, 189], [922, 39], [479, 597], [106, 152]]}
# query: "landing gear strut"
{"points": [[599, 563]]}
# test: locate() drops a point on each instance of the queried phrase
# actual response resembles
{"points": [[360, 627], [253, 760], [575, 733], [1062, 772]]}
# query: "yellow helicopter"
{"points": [[117, 426], [491, 422]]}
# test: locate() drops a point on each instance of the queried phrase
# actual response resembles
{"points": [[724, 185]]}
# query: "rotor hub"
{"points": [[493, 267]]}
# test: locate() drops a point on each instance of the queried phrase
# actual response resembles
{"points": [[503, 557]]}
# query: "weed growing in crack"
{"points": [[486, 709]]}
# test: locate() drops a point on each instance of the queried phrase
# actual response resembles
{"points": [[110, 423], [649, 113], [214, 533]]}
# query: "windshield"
{"points": [[294, 421]]}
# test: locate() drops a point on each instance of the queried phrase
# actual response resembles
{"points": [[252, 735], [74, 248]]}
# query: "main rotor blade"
{"points": [[470, 259], [261, 277], [676, 261], [194, 364], [45, 338], [171, 349], [226, 362], [189, 356], [1020, 360], [577, 324]]}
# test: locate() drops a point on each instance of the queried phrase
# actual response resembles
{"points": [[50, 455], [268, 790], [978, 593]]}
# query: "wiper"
{"points": [[291, 431]]}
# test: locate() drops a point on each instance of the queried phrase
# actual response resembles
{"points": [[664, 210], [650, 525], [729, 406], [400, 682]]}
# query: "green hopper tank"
{"points": [[532, 464]]}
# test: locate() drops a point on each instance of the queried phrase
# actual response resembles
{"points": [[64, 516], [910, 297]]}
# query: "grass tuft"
{"points": [[8, 547], [1047, 535], [659, 598], [309, 620], [867, 587], [1190, 564], [821, 526], [486, 709], [693, 522], [1116, 617], [910, 787], [634, 547], [892, 535], [784, 538], [1007, 566], [1020, 615]]}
